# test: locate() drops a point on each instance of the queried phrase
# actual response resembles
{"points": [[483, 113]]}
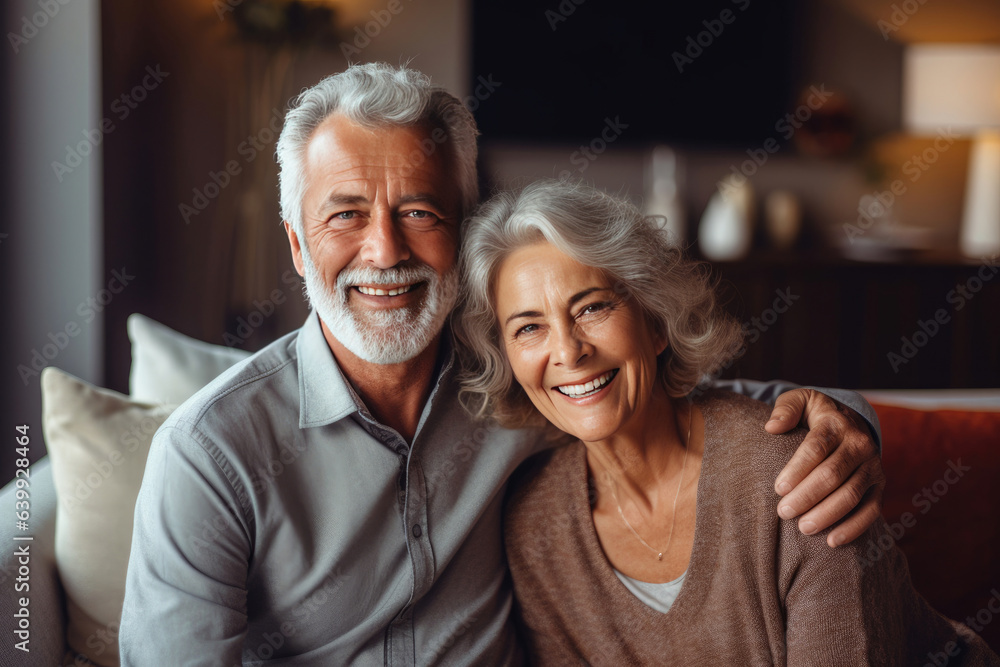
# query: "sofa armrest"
{"points": [[46, 606]]}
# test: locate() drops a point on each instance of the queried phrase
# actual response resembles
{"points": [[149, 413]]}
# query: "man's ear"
{"points": [[293, 241]]}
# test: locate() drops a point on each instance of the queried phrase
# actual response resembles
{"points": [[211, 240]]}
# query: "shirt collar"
{"points": [[325, 395]]}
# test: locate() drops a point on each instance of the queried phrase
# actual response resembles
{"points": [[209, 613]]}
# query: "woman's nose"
{"points": [[569, 347]]}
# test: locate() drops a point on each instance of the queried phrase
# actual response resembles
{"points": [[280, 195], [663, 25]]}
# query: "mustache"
{"points": [[394, 276]]}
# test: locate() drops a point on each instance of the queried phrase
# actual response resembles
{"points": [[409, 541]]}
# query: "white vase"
{"points": [[980, 232], [783, 218], [726, 229], [663, 185]]}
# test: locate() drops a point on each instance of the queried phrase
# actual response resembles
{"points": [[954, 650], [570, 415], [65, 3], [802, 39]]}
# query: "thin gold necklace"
{"points": [[673, 518]]}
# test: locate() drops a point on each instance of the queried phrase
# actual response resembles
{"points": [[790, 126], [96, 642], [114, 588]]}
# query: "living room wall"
{"points": [[50, 237], [212, 269], [184, 94]]}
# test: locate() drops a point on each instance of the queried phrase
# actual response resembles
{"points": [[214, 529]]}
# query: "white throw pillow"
{"points": [[98, 441], [169, 367]]}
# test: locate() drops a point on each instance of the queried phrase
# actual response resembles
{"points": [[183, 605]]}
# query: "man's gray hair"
{"points": [[377, 95], [596, 229]]}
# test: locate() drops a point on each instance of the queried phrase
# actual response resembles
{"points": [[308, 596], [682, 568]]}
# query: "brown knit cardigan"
{"points": [[757, 591]]}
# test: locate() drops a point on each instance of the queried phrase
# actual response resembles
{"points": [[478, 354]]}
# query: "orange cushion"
{"points": [[942, 502]]}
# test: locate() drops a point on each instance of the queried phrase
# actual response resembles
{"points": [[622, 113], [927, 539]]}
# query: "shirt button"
{"points": [[417, 530]]}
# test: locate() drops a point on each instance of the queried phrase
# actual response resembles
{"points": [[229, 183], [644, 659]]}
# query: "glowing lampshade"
{"points": [[957, 87]]}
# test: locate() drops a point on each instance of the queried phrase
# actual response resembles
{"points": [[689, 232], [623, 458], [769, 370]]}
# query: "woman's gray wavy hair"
{"points": [[376, 95], [596, 229]]}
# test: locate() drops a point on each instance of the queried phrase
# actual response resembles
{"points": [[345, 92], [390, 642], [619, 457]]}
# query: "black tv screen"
{"points": [[706, 74]]}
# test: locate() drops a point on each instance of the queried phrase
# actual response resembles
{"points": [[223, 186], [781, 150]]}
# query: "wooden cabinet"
{"points": [[931, 321]]}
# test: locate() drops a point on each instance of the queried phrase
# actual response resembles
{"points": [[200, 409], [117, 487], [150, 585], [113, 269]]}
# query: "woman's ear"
{"points": [[660, 341], [662, 345]]}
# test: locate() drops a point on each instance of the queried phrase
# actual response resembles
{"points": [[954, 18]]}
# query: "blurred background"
{"points": [[794, 145]]}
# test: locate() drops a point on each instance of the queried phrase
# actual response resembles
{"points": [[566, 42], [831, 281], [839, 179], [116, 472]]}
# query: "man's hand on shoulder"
{"points": [[835, 474]]}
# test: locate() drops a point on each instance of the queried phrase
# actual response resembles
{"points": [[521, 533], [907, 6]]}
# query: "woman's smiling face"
{"points": [[584, 353]]}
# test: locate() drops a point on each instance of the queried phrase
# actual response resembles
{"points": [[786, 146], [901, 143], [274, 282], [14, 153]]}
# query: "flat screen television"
{"points": [[718, 73]]}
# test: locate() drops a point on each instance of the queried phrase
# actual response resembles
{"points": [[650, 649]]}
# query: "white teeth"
{"points": [[591, 387], [371, 291]]}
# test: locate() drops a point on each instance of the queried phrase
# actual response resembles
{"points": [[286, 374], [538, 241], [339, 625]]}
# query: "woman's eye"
{"points": [[593, 308], [526, 329]]}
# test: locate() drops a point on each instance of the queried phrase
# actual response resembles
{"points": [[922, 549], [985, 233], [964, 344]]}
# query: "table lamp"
{"points": [[956, 87]]}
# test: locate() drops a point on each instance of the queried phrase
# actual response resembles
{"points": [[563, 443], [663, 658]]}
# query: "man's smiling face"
{"points": [[380, 237]]}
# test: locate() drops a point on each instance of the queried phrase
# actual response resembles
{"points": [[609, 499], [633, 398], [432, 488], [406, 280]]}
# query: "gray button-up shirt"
{"points": [[278, 522]]}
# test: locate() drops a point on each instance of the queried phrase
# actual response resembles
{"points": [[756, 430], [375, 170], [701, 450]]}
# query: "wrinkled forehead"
{"points": [[416, 156], [412, 146], [539, 272]]}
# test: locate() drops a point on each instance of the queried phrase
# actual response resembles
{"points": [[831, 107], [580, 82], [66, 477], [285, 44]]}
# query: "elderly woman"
{"points": [[652, 537]]}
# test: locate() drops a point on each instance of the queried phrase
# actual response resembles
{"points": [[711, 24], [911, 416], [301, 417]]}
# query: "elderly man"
{"points": [[378, 539]]}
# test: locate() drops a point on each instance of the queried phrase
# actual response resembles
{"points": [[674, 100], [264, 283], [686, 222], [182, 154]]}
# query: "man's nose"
{"points": [[385, 246]]}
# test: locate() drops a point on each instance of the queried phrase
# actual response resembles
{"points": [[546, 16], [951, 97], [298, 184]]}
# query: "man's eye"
{"points": [[345, 215], [420, 215]]}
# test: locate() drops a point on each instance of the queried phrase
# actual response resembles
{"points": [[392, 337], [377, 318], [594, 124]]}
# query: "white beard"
{"points": [[386, 336]]}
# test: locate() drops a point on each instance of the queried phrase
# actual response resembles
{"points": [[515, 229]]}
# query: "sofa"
{"points": [[941, 453], [82, 496]]}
